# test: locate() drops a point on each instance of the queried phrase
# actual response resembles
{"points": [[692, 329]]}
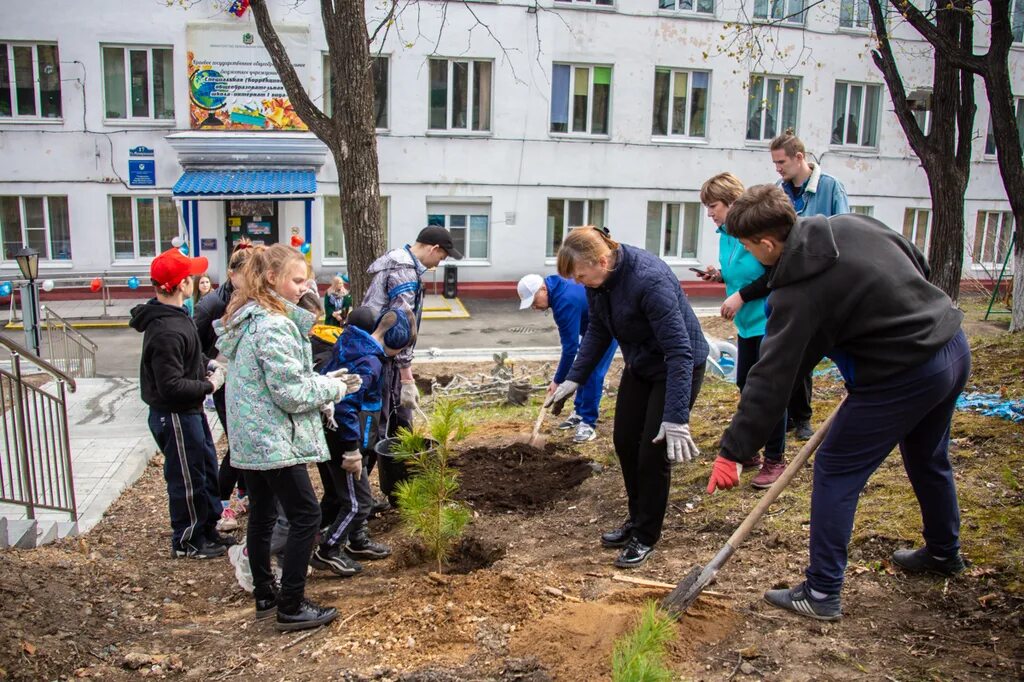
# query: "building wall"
{"points": [[518, 165]]}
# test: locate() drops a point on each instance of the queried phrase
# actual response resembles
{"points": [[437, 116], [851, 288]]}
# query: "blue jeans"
{"points": [[588, 397], [912, 410]]}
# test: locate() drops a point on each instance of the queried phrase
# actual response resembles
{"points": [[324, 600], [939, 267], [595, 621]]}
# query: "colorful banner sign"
{"points": [[233, 84]]}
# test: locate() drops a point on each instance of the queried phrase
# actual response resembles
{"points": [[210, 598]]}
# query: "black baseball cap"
{"points": [[438, 236]]}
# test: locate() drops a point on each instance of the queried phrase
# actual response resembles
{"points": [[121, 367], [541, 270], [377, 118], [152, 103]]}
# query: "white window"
{"points": [[680, 103], [334, 235], [855, 109], [1017, 20], [584, 3], [863, 210], [588, 88], [566, 214], [142, 226], [379, 66], [469, 225], [138, 82], [990, 140], [772, 105], [917, 225], [992, 237], [672, 229], [695, 6], [854, 14], [786, 11], [29, 81], [460, 94], [40, 223]]}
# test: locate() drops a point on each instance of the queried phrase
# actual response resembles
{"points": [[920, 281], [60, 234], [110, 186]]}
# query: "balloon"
{"points": [[96, 284], [177, 241], [297, 241], [47, 285], [133, 283], [5, 289], [184, 249], [305, 248]]}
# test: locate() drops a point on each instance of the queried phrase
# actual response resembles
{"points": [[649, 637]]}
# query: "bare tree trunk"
{"points": [[1017, 310], [946, 246]]}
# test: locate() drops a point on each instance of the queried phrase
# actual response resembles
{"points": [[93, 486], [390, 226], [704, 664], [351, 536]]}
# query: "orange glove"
{"points": [[724, 474]]}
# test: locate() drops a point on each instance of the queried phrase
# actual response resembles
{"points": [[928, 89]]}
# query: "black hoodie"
{"points": [[210, 309], [849, 288], [173, 369]]}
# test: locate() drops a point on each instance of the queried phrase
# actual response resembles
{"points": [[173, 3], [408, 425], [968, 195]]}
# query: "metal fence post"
{"points": [[27, 477]]}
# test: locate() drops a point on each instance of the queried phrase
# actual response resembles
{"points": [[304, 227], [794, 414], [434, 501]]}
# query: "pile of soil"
{"points": [[518, 478]]}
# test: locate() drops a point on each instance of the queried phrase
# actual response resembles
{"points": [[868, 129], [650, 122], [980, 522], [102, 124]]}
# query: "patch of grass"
{"points": [[639, 655]]}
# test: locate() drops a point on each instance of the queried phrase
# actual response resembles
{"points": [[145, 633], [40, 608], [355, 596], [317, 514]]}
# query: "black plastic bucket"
{"points": [[392, 469]]}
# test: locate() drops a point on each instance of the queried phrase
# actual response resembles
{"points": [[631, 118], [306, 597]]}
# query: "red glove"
{"points": [[724, 474]]}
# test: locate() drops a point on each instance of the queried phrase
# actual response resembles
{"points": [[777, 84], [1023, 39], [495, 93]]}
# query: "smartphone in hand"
{"points": [[702, 273]]}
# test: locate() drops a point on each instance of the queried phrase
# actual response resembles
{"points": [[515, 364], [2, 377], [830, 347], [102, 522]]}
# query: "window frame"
{"points": [[467, 207], [675, 10], [687, 136], [586, 4], [766, 78], [681, 257], [470, 92], [566, 227], [863, 209], [37, 94], [126, 50], [866, 87], [326, 105], [342, 259], [136, 257], [853, 27], [47, 255], [588, 133], [913, 215], [1017, 7], [796, 19], [990, 138], [1003, 237]]}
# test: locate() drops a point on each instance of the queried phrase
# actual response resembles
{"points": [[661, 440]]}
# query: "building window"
{"points": [[787, 11], [142, 226], [863, 210], [589, 90], [771, 106], [138, 82], [469, 225], [672, 229], [566, 214], [29, 81], [917, 224], [680, 103], [460, 95], [992, 237], [584, 3], [990, 140], [37, 222], [696, 6], [334, 235], [855, 114], [379, 67], [1017, 20], [854, 14]]}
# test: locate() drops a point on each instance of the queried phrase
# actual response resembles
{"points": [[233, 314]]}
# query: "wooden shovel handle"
{"points": [[540, 420], [783, 481]]}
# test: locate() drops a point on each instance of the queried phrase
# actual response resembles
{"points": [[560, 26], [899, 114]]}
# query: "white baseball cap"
{"points": [[528, 287]]}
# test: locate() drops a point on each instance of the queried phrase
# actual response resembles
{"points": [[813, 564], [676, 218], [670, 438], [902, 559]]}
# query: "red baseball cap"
{"points": [[172, 266]]}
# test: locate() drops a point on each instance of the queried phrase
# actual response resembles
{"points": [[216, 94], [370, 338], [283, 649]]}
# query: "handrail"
{"points": [[38, 361], [48, 311]]}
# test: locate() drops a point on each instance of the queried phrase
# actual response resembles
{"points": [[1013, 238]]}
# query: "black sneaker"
{"points": [[571, 422], [618, 537], [921, 561], [335, 560], [634, 554], [803, 430], [378, 507], [218, 538], [799, 600], [266, 606], [203, 550], [304, 616], [361, 546]]}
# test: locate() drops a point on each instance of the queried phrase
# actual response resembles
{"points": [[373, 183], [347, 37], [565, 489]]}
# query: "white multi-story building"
{"points": [[124, 123]]}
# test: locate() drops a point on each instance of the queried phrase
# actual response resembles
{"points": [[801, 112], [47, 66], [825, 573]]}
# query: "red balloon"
{"points": [[96, 284], [297, 241]]}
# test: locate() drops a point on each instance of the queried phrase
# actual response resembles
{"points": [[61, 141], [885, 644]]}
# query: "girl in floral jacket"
{"points": [[274, 400]]}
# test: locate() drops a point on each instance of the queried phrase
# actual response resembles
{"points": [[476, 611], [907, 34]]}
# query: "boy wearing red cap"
{"points": [[175, 377]]}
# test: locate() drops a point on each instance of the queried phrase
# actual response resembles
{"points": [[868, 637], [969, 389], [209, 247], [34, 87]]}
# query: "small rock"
{"points": [[747, 669], [410, 642], [750, 652], [133, 660]]}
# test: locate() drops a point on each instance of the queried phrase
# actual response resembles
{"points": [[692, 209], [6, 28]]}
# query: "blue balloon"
{"points": [[184, 249], [305, 248], [133, 283], [5, 289]]}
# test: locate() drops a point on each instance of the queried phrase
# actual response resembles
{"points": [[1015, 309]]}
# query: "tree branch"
{"points": [[386, 22], [930, 32], [884, 59]]}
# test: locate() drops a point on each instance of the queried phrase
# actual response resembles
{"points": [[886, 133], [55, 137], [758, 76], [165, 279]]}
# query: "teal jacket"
{"points": [[273, 394], [740, 268]]}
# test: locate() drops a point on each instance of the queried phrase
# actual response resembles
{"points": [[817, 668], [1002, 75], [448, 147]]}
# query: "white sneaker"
{"points": [[571, 422], [584, 433]]}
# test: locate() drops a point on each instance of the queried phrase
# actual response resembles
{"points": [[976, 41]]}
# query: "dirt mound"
{"points": [[518, 478]]}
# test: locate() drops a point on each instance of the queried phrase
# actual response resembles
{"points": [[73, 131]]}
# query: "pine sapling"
{"points": [[639, 655]]}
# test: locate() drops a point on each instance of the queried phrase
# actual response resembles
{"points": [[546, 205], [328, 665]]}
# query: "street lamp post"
{"points": [[28, 263]]}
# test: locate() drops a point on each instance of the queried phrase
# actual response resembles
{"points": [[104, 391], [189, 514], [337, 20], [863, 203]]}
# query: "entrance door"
{"points": [[254, 220]]}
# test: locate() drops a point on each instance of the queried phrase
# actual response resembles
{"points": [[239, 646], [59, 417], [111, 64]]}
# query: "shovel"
{"points": [[699, 577], [536, 440]]}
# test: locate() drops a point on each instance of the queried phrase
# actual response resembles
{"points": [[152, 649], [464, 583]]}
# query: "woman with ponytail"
{"points": [[635, 299]]}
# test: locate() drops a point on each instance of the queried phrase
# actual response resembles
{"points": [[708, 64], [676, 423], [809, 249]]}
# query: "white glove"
{"points": [[678, 442], [217, 377], [410, 397], [352, 462], [214, 364], [327, 410], [557, 399], [348, 383]]}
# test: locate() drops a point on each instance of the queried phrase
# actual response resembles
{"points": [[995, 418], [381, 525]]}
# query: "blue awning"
{"points": [[199, 183]]}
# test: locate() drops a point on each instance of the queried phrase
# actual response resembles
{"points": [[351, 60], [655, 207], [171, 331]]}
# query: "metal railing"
{"points": [[35, 444], [81, 280], [68, 349]]}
